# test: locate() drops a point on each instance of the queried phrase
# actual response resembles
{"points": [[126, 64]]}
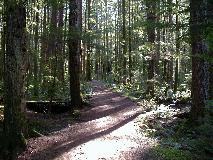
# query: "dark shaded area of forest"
{"points": [[56, 57]]}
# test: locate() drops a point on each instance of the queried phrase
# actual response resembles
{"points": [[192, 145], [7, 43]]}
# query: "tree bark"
{"points": [[130, 42], [74, 53], [60, 43], [151, 20], [124, 42], [88, 60], [199, 65], [2, 52], [36, 54], [176, 82], [16, 64], [210, 25]]}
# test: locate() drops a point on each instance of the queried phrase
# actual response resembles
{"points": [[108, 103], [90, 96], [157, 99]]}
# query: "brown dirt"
{"points": [[106, 131]]}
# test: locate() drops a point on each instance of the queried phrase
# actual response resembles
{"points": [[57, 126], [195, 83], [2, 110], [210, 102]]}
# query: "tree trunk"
{"points": [[43, 45], [88, 63], [176, 83], [60, 43], [151, 19], [210, 24], [170, 40], [199, 65], [36, 54], [124, 42], [130, 43], [2, 52], [74, 53], [16, 63]]}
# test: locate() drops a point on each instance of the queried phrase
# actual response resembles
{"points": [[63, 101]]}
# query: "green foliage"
{"points": [[210, 39], [178, 138], [76, 114], [35, 128], [86, 91], [194, 141], [50, 88], [168, 153], [133, 91]]}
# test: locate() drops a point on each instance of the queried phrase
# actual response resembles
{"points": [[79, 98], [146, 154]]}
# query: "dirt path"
{"points": [[108, 131]]}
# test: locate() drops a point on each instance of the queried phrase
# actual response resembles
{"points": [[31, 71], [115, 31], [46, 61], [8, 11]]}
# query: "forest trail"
{"points": [[107, 131]]}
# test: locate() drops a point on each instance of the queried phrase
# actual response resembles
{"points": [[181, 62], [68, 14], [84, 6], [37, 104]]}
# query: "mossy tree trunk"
{"points": [[16, 64]]}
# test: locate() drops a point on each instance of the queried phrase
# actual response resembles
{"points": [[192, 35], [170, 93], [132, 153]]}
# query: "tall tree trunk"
{"points": [[88, 64], [151, 19], [124, 42], [52, 49], [170, 40], [36, 54], [210, 24], [60, 43], [199, 65], [158, 39], [2, 51], [176, 83], [43, 45], [74, 53], [130, 43], [16, 62]]}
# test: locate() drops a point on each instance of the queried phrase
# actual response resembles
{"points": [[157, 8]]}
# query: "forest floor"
{"points": [[107, 130]]}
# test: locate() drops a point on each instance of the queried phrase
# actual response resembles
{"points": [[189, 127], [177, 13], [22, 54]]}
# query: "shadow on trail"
{"points": [[58, 149], [106, 111], [105, 103], [110, 111]]}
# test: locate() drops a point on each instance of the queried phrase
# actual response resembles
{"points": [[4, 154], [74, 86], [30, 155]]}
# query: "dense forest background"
{"points": [[159, 50]]}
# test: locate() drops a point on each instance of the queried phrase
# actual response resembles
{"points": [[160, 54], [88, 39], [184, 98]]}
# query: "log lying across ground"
{"points": [[48, 107]]}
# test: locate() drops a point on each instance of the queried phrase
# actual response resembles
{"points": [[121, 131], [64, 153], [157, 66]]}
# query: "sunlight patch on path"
{"points": [[111, 146]]}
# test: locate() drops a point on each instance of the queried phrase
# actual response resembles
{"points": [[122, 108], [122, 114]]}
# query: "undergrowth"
{"points": [[179, 140]]}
